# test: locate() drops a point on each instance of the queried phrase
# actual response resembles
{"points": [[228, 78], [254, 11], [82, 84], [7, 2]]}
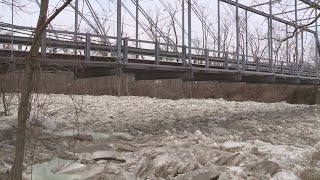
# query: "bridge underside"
{"points": [[145, 70]]}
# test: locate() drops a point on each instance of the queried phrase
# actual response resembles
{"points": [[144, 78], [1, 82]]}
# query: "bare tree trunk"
{"points": [[4, 100], [127, 84], [109, 85], [24, 105], [119, 85]]}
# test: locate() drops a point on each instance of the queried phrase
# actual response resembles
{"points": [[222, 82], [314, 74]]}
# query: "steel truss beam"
{"points": [[263, 14]]}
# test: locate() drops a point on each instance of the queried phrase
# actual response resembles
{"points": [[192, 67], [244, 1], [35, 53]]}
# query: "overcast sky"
{"points": [[107, 10]]}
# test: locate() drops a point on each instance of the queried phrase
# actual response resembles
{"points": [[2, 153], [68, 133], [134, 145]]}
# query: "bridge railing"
{"points": [[103, 48]]}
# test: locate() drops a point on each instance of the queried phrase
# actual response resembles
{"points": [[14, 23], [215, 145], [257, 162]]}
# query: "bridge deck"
{"points": [[148, 70]]}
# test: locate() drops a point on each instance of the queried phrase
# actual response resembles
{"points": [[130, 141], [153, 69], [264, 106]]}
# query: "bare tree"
{"points": [[24, 104], [256, 43], [172, 20], [226, 34]]}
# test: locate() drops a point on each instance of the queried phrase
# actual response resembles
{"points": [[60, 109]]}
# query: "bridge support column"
{"points": [[219, 33], [137, 26], [206, 53], [243, 63], [184, 55], [237, 35], [157, 53], [247, 42], [119, 36], [125, 49], [258, 64], [316, 44], [296, 38], [87, 48], [76, 12], [226, 61], [189, 32], [43, 44], [270, 37]]}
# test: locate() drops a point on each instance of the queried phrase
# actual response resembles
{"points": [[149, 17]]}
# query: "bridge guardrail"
{"points": [[91, 44]]}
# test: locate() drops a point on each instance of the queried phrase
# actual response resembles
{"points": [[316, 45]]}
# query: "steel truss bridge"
{"points": [[95, 55]]}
